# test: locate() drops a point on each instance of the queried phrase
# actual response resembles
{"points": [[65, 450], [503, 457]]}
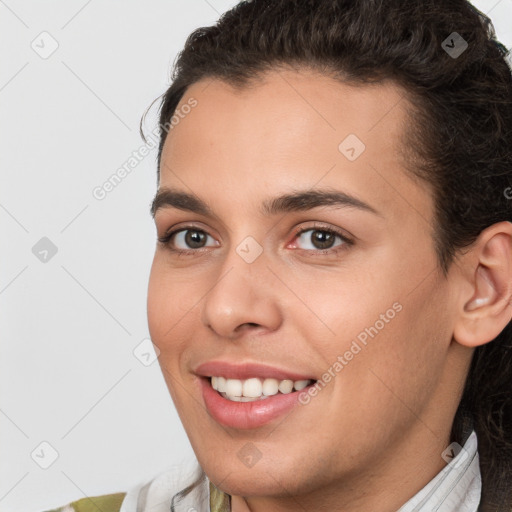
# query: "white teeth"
{"points": [[233, 387], [286, 386], [270, 387], [254, 388], [221, 384], [298, 384], [242, 398]]}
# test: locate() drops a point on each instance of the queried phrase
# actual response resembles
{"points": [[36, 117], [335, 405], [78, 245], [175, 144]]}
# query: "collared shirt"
{"points": [[457, 487]]}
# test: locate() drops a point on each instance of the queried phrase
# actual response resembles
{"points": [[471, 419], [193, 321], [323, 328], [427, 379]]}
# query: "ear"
{"points": [[485, 301]]}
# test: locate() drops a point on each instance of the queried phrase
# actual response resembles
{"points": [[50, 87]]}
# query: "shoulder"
{"points": [[154, 495], [105, 503]]}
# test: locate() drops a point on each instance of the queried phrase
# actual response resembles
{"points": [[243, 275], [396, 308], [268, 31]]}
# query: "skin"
{"points": [[373, 436]]}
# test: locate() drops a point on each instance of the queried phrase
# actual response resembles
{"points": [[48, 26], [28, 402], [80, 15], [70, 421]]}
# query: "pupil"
{"points": [[194, 238], [323, 239]]}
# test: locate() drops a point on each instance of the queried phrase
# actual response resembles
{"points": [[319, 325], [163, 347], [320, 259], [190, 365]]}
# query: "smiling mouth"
{"points": [[255, 388]]}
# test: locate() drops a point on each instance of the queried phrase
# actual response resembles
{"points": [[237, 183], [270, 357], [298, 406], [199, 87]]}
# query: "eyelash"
{"points": [[166, 238]]}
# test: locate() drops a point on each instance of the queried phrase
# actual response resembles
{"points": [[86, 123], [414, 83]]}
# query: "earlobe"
{"points": [[487, 309]]}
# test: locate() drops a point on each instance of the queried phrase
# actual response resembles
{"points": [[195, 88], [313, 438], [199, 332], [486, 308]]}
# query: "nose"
{"points": [[242, 298]]}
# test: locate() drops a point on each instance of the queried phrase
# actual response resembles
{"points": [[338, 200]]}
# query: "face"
{"points": [[343, 289]]}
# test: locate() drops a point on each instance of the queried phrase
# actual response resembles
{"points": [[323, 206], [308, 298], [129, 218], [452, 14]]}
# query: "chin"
{"points": [[257, 484]]}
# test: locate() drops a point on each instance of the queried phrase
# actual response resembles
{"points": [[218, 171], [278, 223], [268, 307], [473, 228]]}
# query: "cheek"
{"points": [[169, 313], [172, 296], [390, 381], [167, 317], [158, 301], [392, 337]]}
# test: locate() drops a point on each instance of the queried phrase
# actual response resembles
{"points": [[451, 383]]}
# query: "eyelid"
{"points": [[175, 230], [183, 226], [342, 233], [347, 241]]}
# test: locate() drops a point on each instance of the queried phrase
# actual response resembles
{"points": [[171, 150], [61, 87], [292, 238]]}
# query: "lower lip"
{"points": [[247, 415]]}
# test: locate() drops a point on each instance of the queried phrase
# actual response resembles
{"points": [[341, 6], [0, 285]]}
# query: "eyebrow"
{"points": [[302, 200]]}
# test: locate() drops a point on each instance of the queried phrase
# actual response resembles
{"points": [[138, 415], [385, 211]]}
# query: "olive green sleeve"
{"points": [[104, 503], [219, 500]]}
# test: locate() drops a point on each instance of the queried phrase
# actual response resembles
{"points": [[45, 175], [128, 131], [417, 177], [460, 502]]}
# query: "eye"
{"points": [[316, 239], [185, 239], [321, 239]]}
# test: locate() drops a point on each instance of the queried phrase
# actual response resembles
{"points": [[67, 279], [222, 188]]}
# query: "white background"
{"points": [[69, 326]]}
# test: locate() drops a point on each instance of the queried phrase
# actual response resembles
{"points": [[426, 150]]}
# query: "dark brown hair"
{"points": [[459, 138]]}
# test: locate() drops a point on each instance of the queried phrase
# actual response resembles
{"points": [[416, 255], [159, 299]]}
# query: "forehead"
{"points": [[293, 129]]}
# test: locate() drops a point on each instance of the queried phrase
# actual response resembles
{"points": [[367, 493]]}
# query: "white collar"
{"points": [[457, 486]]}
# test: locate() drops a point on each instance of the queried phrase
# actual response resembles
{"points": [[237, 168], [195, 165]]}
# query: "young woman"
{"points": [[331, 292]]}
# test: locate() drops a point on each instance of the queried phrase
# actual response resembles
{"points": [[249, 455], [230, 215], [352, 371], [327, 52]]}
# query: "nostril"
{"points": [[251, 324]]}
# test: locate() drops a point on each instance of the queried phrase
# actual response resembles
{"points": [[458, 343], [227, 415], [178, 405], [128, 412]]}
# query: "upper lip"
{"points": [[247, 370]]}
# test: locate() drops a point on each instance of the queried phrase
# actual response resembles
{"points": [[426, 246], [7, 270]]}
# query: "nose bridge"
{"points": [[242, 293]]}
